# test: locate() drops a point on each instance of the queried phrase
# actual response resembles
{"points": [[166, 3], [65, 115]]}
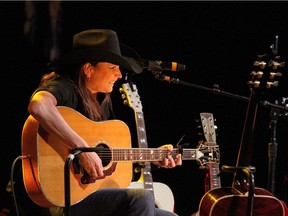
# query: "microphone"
{"points": [[167, 78], [158, 66]]}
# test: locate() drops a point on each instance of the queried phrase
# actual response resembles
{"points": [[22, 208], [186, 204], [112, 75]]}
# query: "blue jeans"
{"points": [[117, 202]]}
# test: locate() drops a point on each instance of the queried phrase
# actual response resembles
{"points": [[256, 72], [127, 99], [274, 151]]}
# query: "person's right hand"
{"points": [[92, 163]]}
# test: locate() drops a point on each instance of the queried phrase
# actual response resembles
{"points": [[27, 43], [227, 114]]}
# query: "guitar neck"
{"points": [[141, 130], [147, 178], [214, 177], [187, 154], [264, 77], [209, 133], [142, 142], [247, 140], [151, 154]]}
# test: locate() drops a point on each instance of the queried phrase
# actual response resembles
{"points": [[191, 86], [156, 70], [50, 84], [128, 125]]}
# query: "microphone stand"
{"points": [[214, 90], [275, 109], [272, 149], [276, 112]]}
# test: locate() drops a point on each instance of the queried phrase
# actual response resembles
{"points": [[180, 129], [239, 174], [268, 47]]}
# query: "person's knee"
{"points": [[142, 195], [144, 200], [148, 197]]}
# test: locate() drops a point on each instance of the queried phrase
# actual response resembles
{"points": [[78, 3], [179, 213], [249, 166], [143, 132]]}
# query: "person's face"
{"points": [[102, 76]]}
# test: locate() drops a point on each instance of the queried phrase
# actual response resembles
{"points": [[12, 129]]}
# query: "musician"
{"points": [[83, 80]]}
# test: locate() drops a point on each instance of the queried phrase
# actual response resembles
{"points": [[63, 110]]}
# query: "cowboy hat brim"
{"points": [[100, 55]]}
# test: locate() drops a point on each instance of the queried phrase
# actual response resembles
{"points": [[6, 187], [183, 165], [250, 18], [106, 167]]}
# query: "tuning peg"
{"points": [[123, 96], [282, 64], [260, 64], [269, 84], [258, 74], [275, 74], [276, 64], [125, 102], [254, 84]]}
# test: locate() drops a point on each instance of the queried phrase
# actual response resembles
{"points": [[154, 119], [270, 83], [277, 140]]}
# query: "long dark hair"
{"points": [[90, 101], [97, 106]]}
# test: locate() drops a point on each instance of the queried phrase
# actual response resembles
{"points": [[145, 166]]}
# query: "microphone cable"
{"points": [[12, 181]]}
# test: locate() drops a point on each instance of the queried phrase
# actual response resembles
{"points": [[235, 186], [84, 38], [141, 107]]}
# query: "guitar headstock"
{"points": [[208, 154], [266, 73], [131, 96], [207, 129]]}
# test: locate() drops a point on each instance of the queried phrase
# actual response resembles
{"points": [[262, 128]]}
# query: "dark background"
{"points": [[217, 41]]}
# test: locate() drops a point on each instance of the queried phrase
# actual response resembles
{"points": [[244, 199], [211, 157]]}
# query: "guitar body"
{"points": [[43, 173], [164, 198], [229, 202]]}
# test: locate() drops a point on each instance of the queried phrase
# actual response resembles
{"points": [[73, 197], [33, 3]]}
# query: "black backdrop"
{"points": [[217, 41]]}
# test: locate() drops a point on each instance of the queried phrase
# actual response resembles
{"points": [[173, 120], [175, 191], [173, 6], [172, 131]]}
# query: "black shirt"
{"points": [[64, 90], [66, 94]]}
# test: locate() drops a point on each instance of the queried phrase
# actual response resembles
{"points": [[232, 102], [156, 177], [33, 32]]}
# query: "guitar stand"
{"points": [[248, 171], [69, 159], [74, 153]]}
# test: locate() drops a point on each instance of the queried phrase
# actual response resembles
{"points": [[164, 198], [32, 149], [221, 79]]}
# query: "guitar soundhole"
{"points": [[104, 153]]}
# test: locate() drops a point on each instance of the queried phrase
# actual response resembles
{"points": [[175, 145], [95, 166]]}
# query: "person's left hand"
{"points": [[169, 162]]}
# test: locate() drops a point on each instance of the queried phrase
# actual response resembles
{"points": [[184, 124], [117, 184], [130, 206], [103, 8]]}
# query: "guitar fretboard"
{"points": [[215, 181], [135, 103], [154, 154]]}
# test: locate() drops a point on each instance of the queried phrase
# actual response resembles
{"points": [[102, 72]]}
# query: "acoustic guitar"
{"points": [[163, 195], [207, 136], [43, 172], [238, 199]]}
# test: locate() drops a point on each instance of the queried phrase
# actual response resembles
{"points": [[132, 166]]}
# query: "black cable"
{"points": [[12, 181]]}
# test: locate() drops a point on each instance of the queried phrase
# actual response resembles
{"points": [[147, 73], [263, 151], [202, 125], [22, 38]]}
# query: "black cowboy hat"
{"points": [[102, 45]]}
